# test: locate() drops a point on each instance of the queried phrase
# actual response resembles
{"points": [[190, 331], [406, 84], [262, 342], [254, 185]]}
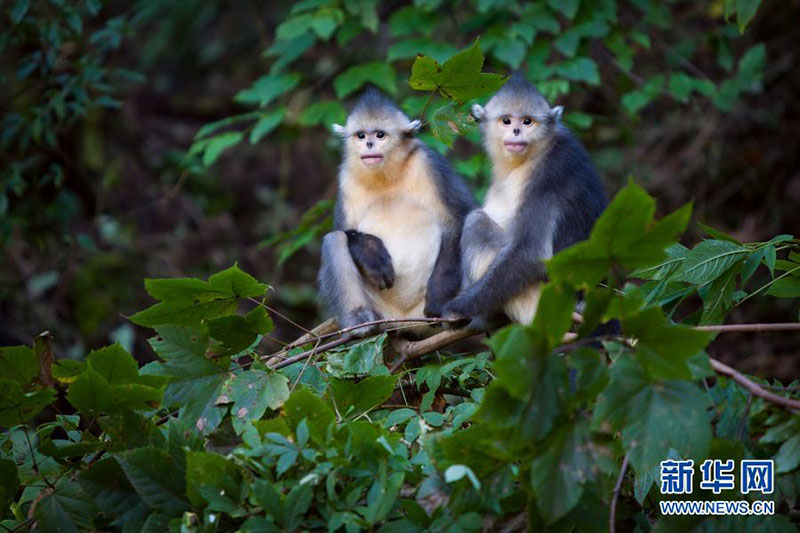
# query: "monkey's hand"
{"points": [[459, 310], [372, 258]]}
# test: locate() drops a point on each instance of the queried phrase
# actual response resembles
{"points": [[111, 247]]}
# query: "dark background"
{"points": [[130, 207]]}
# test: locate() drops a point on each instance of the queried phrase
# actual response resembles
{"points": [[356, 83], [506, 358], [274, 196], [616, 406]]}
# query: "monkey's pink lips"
{"points": [[518, 146], [372, 159]]}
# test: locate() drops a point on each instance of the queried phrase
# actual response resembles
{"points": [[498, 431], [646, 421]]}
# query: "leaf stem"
{"points": [[612, 514]]}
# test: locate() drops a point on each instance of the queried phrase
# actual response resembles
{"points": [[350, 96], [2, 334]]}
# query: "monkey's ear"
{"points": [[479, 112], [339, 130], [412, 127], [556, 112]]}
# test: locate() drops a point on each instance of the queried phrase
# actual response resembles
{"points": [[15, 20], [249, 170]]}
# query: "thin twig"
{"points": [[751, 328], [612, 514], [721, 368], [279, 314]]}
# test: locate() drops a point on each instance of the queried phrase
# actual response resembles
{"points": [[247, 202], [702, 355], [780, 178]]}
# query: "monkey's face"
{"points": [[514, 135], [377, 136], [371, 146]]}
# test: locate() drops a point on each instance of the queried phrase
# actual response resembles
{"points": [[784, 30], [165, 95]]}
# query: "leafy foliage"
{"points": [[209, 437]]}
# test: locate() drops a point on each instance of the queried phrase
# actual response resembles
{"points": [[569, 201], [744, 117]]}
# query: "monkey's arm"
{"points": [[517, 266], [372, 258], [512, 271], [367, 251], [445, 279]]}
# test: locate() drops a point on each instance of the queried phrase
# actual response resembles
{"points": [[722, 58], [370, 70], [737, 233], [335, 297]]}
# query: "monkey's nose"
{"points": [[516, 131], [369, 144]]}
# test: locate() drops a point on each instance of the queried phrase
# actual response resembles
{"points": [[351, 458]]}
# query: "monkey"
{"points": [[544, 196], [394, 250]]}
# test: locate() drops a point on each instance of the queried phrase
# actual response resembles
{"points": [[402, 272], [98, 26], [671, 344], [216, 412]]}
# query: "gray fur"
{"points": [[562, 199], [340, 283]]}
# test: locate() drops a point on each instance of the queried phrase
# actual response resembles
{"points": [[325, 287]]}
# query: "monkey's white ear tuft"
{"points": [[478, 111], [556, 112], [412, 127], [339, 130]]}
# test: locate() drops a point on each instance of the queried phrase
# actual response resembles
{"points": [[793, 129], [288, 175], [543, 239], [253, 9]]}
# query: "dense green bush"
{"points": [[210, 438]]}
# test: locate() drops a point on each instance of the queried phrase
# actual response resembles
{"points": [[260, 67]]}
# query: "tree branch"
{"points": [[408, 350], [721, 368], [751, 328]]}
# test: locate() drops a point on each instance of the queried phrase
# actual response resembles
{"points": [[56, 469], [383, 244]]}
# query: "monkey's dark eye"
{"points": [[527, 121], [506, 121], [380, 135], [360, 135]]}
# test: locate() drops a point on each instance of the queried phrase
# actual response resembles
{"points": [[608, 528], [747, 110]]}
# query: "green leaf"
{"points": [[18, 363], [718, 297], [509, 51], [17, 13], [288, 50], [189, 301], [681, 86], [114, 364], [323, 113], [362, 396], [366, 10], [560, 472], [625, 234], [183, 313], [237, 333], [457, 472], [676, 253], [301, 404], [788, 456], [459, 78], [252, 392], [266, 123], [361, 358], [636, 100], [654, 416], [567, 43], [663, 349], [213, 479], [9, 482], [17, 406], [708, 260], [554, 313], [786, 287], [378, 73], [218, 144], [154, 474], [579, 121], [268, 88], [745, 11], [770, 256], [195, 380], [567, 7], [410, 19], [105, 483], [580, 69], [437, 50], [296, 504], [65, 509], [448, 121], [518, 359], [229, 121]]}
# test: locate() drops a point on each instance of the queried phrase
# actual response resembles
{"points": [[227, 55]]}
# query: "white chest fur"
{"points": [[407, 215], [504, 196]]}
